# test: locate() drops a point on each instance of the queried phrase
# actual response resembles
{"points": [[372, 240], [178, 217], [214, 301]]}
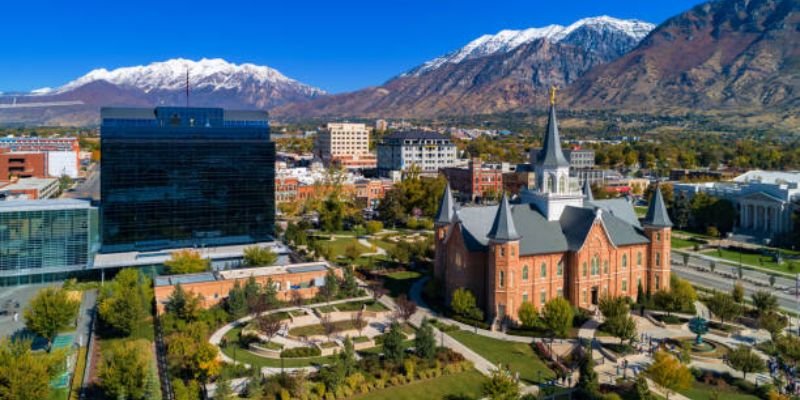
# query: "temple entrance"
{"points": [[595, 296]]}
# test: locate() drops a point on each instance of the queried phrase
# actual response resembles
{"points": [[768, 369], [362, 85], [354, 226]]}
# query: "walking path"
{"points": [[379, 251]]}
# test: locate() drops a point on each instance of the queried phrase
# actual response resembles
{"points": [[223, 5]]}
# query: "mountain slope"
{"points": [[734, 54], [213, 82], [490, 74]]}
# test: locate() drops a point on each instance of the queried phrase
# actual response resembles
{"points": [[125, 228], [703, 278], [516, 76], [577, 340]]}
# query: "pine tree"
{"points": [[425, 342], [588, 384], [642, 389], [350, 285], [223, 391], [393, 344], [640, 296], [236, 302]]}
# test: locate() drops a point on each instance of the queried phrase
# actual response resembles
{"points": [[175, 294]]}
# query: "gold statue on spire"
{"points": [[553, 90]]}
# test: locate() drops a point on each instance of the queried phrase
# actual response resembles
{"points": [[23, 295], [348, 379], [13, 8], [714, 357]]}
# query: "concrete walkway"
{"points": [[379, 251]]}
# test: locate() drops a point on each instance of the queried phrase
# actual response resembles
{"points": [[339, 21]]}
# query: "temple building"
{"points": [[555, 240]]}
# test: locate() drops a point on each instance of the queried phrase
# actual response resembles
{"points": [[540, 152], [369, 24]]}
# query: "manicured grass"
{"points": [[464, 385], [356, 305], [518, 356], [339, 245], [59, 394], [360, 339], [400, 282], [678, 243], [701, 391], [327, 309], [318, 329], [77, 376], [234, 351], [271, 346], [757, 260]]}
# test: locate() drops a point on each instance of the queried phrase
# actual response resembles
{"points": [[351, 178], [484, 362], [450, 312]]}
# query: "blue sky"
{"points": [[336, 45]]}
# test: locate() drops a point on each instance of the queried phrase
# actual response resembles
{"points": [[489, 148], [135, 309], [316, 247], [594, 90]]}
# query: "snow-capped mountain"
{"points": [[211, 74], [493, 73], [212, 83], [507, 39]]}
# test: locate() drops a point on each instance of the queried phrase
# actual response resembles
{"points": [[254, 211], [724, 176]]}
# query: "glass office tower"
{"points": [[185, 177], [45, 240]]}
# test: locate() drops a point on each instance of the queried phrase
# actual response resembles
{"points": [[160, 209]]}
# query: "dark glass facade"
{"points": [[182, 177]]}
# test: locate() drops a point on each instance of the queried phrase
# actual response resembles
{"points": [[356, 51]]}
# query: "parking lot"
{"points": [[13, 300]]}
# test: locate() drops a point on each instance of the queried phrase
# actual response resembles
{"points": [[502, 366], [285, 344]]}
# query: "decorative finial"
{"points": [[553, 91]]}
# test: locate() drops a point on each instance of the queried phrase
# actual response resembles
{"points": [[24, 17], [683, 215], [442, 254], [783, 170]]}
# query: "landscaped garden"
{"points": [[519, 357], [462, 385]]}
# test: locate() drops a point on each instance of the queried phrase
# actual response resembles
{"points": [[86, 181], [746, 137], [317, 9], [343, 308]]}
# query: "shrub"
{"points": [[298, 352]]}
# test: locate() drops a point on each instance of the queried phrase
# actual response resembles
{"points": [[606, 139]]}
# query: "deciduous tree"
{"points": [[557, 315], [405, 307], [724, 306], [745, 360], [738, 292], [764, 301], [268, 324], [125, 369], [527, 314], [501, 385], [669, 373], [257, 256], [186, 262], [125, 301], [50, 311], [25, 375]]}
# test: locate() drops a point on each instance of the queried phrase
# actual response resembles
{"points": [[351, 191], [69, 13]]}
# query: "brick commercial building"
{"points": [[478, 181], [16, 164], [61, 155], [346, 145], [553, 241], [213, 287], [31, 188]]}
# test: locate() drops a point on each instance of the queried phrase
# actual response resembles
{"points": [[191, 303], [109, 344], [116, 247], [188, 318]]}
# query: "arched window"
{"points": [[543, 270], [525, 273], [639, 258], [658, 259], [562, 184], [595, 265], [585, 269], [624, 261], [560, 268], [605, 266], [502, 279], [551, 183], [658, 236]]}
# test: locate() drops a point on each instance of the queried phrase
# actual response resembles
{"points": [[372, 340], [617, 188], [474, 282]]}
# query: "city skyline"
{"points": [[338, 48]]}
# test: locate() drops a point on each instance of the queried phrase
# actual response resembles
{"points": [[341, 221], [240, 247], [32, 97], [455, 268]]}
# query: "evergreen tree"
{"points": [[393, 344], [642, 389], [640, 296], [330, 289], [255, 386], [350, 285], [270, 294], [185, 306], [236, 302], [588, 385], [223, 390], [425, 343], [347, 357]]}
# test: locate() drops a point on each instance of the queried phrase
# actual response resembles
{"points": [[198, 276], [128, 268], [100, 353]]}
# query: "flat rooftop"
{"points": [[243, 273], [43, 205], [30, 183], [143, 258]]}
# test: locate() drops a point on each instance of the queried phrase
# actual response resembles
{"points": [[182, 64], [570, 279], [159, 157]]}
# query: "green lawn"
{"points": [[339, 245], [464, 385], [234, 351], [757, 260], [701, 391], [356, 305], [400, 282], [678, 243], [519, 356], [318, 329], [641, 211]]}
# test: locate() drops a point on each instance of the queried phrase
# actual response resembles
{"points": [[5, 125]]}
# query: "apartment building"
{"points": [[429, 151]]}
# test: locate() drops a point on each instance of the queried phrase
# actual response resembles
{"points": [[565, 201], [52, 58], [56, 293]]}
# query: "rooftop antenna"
{"points": [[187, 87]]}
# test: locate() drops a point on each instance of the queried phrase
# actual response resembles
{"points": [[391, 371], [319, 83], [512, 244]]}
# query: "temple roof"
{"points": [[657, 211], [551, 155], [503, 229]]}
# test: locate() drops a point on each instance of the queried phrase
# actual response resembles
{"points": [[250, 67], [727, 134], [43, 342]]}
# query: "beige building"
{"points": [[343, 142]]}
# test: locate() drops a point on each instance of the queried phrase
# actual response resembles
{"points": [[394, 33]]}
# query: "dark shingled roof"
{"points": [[503, 229], [657, 212], [540, 236], [445, 213], [619, 207], [551, 155]]}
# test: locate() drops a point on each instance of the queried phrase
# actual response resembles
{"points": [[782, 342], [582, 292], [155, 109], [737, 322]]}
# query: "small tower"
{"points": [[658, 228], [503, 265], [587, 191], [442, 224], [554, 191]]}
